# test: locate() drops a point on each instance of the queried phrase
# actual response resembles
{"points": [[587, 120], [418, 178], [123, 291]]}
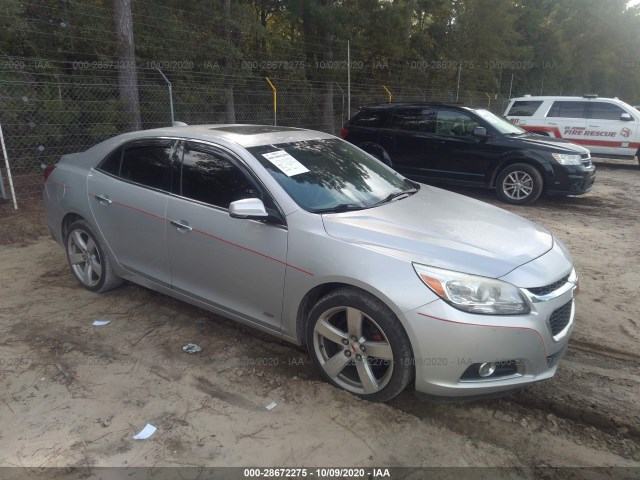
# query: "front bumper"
{"points": [[572, 180], [448, 342]]}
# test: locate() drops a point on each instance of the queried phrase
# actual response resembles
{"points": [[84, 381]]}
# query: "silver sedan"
{"points": [[302, 235]]}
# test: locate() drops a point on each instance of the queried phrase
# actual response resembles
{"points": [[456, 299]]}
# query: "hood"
{"points": [[552, 144], [443, 229]]}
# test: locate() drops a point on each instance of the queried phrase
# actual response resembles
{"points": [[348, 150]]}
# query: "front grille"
{"points": [[547, 289], [560, 318], [586, 159]]}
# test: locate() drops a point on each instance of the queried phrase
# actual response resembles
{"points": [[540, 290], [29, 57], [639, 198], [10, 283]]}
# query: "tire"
{"points": [[88, 260], [349, 313], [519, 184]]}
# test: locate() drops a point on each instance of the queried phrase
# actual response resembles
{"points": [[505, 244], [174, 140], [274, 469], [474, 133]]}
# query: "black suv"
{"points": [[437, 142]]}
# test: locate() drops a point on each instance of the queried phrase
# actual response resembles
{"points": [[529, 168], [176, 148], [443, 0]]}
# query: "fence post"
{"points": [[275, 100], [342, 93], [389, 94], [348, 79], [6, 162], [170, 95]]}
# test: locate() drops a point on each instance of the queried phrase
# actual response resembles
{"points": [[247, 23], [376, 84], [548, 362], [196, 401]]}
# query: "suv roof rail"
{"points": [[417, 103], [590, 95]]}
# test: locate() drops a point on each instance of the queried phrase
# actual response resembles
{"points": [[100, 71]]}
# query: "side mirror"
{"points": [[248, 208], [479, 132], [625, 117]]}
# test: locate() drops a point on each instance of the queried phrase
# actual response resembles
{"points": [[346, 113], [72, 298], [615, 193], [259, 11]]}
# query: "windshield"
{"points": [[331, 174], [504, 126]]}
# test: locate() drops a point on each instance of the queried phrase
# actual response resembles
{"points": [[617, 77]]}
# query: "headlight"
{"points": [[565, 159], [473, 293]]}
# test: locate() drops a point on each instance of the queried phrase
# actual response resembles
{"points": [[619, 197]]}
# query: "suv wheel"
{"points": [[519, 184]]}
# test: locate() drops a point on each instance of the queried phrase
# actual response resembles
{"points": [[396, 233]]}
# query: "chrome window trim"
{"points": [[239, 162]]}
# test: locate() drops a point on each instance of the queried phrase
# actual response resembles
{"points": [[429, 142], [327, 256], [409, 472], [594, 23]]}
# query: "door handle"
{"points": [[551, 123], [596, 126], [104, 200], [182, 225]]}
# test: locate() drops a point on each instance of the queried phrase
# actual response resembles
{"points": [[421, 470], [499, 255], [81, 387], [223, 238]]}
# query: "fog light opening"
{"points": [[487, 369]]}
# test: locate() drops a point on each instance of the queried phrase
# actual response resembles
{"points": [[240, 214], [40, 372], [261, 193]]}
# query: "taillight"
{"points": [[344, 132], [48, 170]]}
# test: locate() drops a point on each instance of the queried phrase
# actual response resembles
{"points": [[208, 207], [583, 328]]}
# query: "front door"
{"points": [[234, 264], [607, 133], [462, 156]]}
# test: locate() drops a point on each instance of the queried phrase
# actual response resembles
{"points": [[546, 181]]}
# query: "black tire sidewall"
{"points": [[403, 370], [533, 172]]}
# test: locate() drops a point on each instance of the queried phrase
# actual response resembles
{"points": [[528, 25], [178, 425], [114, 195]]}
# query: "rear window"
{"points": [[111, 164], [369, 118], [568, 109], [415, 120], [524, 108]]}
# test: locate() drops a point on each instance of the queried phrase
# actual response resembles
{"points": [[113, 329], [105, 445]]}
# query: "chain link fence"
{"points": [[45, 116]]}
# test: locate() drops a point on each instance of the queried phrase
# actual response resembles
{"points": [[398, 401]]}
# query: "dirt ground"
{"points": [[73, 395]]}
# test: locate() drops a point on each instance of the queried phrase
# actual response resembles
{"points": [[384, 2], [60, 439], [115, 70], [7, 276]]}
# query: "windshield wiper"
{"points": [[394, 195], [341, 207]]}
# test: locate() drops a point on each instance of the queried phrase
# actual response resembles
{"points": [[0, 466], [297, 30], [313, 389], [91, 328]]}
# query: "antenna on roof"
{"points": [[179, 124]]}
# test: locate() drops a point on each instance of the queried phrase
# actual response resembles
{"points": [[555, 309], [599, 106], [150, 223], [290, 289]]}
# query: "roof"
{"points": [[567, 98], [243, 135]]}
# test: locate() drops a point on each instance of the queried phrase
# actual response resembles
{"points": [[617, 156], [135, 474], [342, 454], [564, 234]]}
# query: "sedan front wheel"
{"points": [[360, 345]]}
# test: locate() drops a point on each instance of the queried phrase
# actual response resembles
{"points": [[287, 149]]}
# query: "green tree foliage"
{"points": [[417, 48]]}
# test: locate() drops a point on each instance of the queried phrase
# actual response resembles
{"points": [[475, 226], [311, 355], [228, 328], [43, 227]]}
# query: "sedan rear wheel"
{"points": [[87, 259], [360, 345]]}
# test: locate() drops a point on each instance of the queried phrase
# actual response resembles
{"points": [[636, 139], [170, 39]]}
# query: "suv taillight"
{"points": [[344, 132], [48, 170]]}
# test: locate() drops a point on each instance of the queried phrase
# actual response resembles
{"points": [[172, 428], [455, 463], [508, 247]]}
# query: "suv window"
{"points": [[415, 120], [148, 164], [568, 110], [369, 118], [524, 108], [211, 178], [455, 123], [605, 111]]}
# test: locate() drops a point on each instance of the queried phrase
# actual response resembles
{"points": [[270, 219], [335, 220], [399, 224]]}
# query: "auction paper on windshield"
{"points": [[285, 163]]}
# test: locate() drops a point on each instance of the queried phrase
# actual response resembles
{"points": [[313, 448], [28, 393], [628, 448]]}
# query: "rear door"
{"points": [[412, 146], [607, 134], [567, 119], [128, 198], [234, 264], [363, 128]]}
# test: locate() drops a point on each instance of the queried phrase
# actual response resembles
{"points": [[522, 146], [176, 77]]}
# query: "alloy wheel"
{"points": [[353, 350], [518, 185], [84, 258]]}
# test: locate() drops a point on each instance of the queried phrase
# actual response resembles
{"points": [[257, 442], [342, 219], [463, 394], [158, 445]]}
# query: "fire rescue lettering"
{"points": [[581, 131]]}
